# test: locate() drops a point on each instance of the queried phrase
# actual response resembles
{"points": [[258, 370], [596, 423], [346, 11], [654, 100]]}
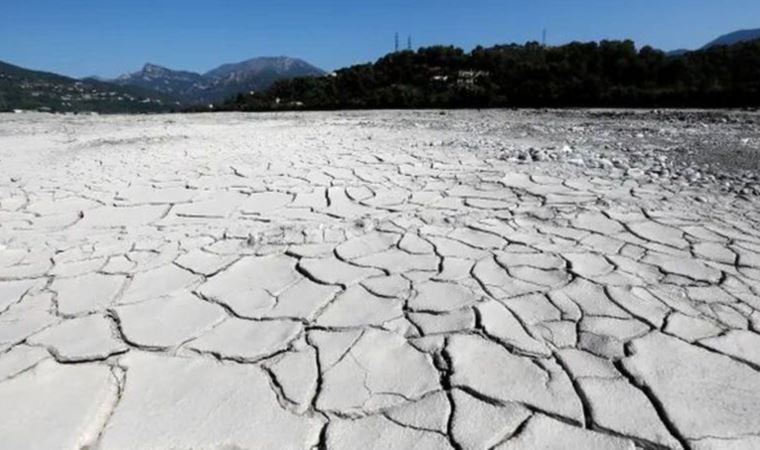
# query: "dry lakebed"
{"points": [[556, 279]]}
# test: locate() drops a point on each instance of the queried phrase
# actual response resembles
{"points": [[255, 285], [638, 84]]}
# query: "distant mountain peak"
{"points": [[150, 67], [277, 64], [222, 82]]}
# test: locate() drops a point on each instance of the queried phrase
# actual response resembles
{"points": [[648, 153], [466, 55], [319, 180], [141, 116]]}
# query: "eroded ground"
{"points": [[377, 280]]}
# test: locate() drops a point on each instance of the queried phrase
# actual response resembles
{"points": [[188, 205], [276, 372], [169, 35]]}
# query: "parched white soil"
{"points": [[373, 280]]}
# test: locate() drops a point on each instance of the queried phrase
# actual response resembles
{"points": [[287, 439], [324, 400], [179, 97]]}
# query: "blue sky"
{"points": [[110, 37]]}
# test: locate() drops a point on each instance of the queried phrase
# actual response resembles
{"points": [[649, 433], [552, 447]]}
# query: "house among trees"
{"points": [[469, 78]]}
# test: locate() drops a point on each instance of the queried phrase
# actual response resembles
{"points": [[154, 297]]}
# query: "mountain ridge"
{"points": [[22, 88], [735, 37], [221, 82]]}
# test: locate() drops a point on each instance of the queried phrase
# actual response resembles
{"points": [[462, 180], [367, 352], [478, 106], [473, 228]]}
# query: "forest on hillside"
{"points": [[603, 74]]}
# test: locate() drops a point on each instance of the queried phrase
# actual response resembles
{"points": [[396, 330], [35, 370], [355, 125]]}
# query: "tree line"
{"points": [[603, 74]]}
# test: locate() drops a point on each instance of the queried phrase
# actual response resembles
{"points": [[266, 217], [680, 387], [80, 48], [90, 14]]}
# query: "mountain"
{"points": [[735, 38], [22, 88], [256, 67], [222, 82]]}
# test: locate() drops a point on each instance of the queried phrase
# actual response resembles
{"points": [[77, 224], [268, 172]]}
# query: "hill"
{"points": [[22, 88], [603, 74], [735, 38], [222, 82]]}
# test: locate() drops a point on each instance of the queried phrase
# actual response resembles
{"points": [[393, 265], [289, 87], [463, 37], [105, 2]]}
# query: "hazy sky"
{"points": [[110, 37]]}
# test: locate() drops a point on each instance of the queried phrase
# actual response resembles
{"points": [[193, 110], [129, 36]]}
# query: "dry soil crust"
{"points": [[379, 280]]}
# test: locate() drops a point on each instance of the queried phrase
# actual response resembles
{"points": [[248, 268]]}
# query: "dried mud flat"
{"points": [[467, 280]]}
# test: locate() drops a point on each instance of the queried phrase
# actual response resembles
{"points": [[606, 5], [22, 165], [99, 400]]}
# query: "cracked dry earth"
{"points": [[363, 280]]}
